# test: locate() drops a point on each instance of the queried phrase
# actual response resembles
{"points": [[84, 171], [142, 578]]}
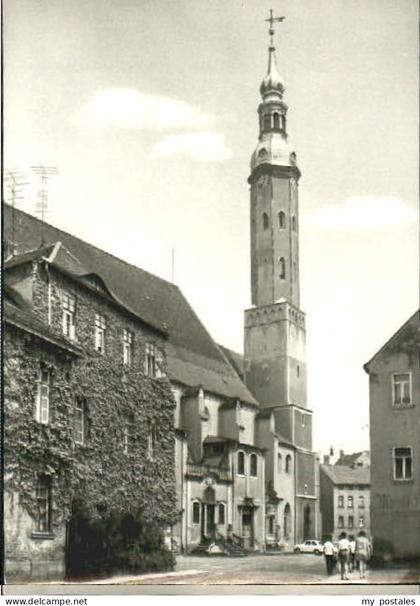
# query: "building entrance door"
{"points": [[208, 526], [248, 528], [307, 523]]}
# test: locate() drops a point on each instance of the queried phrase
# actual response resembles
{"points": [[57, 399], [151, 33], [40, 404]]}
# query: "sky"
{"points": [[148, 109]]}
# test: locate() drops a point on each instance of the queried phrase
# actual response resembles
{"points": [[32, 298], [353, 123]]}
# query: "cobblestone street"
{"points": [[266, 570]]}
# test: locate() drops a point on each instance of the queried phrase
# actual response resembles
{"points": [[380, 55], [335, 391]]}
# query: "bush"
{"points": [[118, 543]]}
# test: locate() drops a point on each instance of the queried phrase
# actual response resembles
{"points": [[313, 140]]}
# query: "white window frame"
{"points": [[404, 459], [401, 383], [42, 408], [350, 499], [68, 302], [127, 347], [151, 441], [43, 496], [79, 419], [340, 501], [100, 329], [150, 365], [195, 502]]}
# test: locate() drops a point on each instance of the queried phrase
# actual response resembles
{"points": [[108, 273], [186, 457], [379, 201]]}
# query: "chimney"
{"points": [[326, 459]]}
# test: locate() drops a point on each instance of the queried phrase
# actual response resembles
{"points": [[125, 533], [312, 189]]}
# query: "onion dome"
{"points": [[273, 82]]}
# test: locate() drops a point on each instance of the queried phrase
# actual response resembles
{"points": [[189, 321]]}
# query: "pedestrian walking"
{"points": [[343, 556], [352, 562], [363, 552], [329, 555]]}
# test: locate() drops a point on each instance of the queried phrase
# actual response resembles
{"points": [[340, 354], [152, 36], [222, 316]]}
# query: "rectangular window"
{"points": [[350, 501], [196, 512], [221, 513], [43, 504], [150, 360], [42, 409], [401, 390], [340, 500], [80, 421], [100, 327], [69, 308], [151, 442], [403, 464], [361, 521], [351, 522], [340, 521], [361, 502], [127, 347]]}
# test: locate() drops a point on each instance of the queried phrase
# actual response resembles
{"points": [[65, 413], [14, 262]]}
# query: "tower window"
{"points": [[267, 122], [288, 465], [283, 122], [265, 221], [282, 268], [282, 219], [241, 463], [276, 121], [294, 223]]}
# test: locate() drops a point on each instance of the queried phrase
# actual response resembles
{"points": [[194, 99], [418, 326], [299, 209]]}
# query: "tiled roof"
{"points": [[193, 356], [236, 360], [350, 459], [341, 474]]}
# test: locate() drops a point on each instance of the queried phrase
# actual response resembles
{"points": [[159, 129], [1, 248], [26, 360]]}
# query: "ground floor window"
{"points": [[196, 512], [43, 504]]}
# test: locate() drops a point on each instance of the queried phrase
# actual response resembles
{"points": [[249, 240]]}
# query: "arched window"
{"points": [[253, 464], [288, 465], [267, 122], [287, 521], [196, 512], [294, 223], [279, 463], [241, 463], [265, 221], [282, 268], [276, 120], [282, 219]]}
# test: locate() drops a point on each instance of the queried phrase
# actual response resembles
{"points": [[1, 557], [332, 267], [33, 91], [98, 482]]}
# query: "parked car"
{"points": [[310, 546]]}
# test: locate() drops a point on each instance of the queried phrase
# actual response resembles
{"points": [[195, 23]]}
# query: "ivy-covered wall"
{"points": [[98, 473]]}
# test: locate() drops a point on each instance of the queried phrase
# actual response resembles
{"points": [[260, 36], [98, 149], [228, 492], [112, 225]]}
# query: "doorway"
{"points": [[307, 523], [248, 528]]}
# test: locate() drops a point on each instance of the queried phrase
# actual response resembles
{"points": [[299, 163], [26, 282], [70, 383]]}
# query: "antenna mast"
{"points": [[41, 208], [14, 182]]}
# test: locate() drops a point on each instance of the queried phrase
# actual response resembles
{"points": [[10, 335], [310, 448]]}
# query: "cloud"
{"points": [[130, 108], [203, 146], [362, 213]]}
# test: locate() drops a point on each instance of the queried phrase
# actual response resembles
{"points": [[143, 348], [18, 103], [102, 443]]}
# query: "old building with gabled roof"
{"points": [[394, 410]]}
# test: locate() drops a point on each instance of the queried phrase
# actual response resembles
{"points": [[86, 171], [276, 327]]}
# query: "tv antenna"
{"points": [[14, 182], [41, 207]]}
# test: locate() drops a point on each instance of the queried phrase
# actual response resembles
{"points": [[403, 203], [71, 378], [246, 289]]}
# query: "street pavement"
{"points": [[300, 569]]}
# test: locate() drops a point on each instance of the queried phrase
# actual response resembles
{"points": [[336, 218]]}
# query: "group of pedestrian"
{"points": [[350, 553]]}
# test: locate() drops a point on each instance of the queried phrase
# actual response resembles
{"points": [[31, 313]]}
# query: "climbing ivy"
{"points": [[99, 472]]}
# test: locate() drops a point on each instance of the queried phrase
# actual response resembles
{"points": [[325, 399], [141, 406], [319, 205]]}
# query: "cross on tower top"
{"points": [[272, 20]]}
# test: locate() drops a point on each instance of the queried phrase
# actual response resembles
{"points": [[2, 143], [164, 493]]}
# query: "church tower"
{"points": [[275, 364], [275, 336]]}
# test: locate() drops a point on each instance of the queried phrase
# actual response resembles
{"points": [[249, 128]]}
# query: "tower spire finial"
{"points": [[272, 20]]}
